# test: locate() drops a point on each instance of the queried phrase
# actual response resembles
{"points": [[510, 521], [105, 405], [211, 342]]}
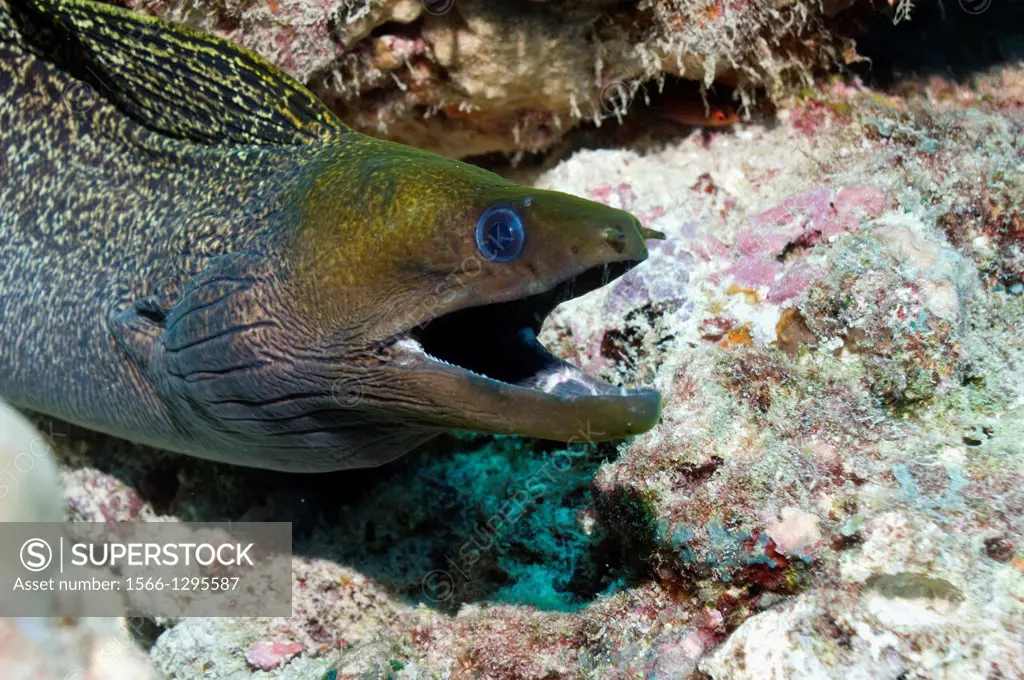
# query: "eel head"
{"points": [[444, 287]]}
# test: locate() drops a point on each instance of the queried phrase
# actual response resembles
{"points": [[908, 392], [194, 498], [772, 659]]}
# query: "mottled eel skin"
{"points": [[197, 255]]}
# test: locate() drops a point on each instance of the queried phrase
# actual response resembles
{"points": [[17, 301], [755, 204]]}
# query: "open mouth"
{"points": [[499, 341]]}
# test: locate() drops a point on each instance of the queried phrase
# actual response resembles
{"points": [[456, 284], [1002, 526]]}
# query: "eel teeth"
{"points": [[413, 346]]}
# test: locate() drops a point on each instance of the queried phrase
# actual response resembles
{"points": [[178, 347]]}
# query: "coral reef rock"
{"points": [[469, 77]]}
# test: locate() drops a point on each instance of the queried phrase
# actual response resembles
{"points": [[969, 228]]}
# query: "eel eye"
{"points": [[500, 234]]}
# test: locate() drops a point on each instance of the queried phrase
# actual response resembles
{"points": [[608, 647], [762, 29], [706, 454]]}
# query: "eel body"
{"points": [[197, 255]]}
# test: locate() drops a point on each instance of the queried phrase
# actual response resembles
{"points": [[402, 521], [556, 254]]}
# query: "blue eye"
{"points": [[500, 234]]}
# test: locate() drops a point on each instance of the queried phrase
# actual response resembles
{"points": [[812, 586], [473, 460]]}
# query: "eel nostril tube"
{"points": [[652, 234], [614, 237]]}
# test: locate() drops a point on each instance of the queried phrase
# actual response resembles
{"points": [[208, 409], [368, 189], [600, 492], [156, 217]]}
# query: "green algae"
{"points": [[909, 586]]}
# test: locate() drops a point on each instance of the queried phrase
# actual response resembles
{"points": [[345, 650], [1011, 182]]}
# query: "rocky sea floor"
{"points": [[836, 488]]}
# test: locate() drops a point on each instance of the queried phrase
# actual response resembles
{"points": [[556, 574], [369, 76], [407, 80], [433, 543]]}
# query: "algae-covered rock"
{"points": [[470, 77], [899, 296]]}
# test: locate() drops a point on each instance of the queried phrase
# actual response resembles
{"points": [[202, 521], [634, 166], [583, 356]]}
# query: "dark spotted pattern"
{"points": [[98, 212]]}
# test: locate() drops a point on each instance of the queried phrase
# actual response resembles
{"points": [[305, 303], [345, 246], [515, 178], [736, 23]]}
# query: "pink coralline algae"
{"points": [[101, 497], [770, 243], [266, 655], [623, 197]]}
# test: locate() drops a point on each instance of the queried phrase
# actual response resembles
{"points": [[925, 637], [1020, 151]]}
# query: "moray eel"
{"points": [[197, 255]]}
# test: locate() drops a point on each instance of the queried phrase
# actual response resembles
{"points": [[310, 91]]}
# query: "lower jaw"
{"points": [[552, 400]]}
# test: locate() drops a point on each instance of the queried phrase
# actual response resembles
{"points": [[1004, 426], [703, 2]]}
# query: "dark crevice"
{"points": [[954, 39], [499, 340]]}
